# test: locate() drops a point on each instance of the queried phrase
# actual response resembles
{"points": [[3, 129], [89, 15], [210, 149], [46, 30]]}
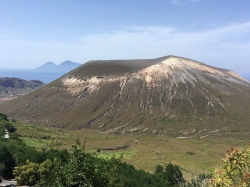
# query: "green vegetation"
{"points": [[80, 169], [144, 152], [235, 170], [30, 173], [41, 137], [127, 175], [15, 152], [127, 154], [42, 159], [58, 168]]}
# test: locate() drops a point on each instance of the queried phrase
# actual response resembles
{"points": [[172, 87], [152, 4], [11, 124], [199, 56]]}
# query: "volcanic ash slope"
{"points": [[165, 96]]}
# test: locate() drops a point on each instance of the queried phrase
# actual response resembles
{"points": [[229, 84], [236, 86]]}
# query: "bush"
{"points": [[173, 174], [127, 175], [235, 170], [81, 169], [30, 173], [6, 162], [3, 117], [6, 125], [26, 174]]}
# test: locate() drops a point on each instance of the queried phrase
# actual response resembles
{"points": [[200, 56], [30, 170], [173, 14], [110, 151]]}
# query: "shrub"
{"points": [[6, 162], [173, 174], [3, 117], [26, 174], [235, 170], [81, 169], [30, 173]]}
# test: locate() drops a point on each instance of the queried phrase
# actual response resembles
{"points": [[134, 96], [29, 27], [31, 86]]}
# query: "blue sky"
{"points": [[215, 32]]}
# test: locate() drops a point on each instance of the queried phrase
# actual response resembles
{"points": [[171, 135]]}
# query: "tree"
{"points": [[5, 124], [159, 169], [6, 162], [235, 170], [173, 174], [81, 169], [127, 175], [3, 117]]}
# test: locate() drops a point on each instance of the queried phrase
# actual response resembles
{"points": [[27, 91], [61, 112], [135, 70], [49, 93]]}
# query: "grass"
{"points": [[127, 154], [194, 156], [42, 137]]}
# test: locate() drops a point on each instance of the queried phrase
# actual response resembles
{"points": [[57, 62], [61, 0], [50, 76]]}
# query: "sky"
{"points": [[215, 32]]}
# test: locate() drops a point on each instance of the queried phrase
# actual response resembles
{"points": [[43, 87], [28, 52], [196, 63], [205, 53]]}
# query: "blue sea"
{"points": [[45, 77]]}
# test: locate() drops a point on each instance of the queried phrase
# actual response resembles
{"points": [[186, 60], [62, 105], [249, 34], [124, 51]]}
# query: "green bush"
{"points": [[6, 161], [127, 175], [15, 152], [3, 117], [30, 173], [81, 169]]}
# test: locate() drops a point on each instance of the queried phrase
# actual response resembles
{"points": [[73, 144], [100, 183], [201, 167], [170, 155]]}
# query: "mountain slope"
{"points": [[165, 96]]}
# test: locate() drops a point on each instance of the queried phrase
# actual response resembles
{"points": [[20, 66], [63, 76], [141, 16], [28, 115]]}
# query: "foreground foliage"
{"points": [[81, 169], [127, 175], [16, 153], [59, 168], [235, 170], [31, 172]]}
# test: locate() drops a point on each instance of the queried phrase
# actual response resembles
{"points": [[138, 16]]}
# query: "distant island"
{"points": [[65, 66], [46, 73]]}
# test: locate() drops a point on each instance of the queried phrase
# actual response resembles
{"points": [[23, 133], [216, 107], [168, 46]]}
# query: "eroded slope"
{"points": [[168, 95]]}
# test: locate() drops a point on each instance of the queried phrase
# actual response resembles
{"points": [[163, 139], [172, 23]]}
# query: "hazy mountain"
{"points": [[48, 66], [165, 96], [65, 66]]}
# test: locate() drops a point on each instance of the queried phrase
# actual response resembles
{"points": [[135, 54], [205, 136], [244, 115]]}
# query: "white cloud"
{"points": [[226, 46], [193, 1], [182, 2], [176, 2]]}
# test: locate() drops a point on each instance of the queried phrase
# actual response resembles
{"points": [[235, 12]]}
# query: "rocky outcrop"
{"points": [[7, 82], [13, 87]]}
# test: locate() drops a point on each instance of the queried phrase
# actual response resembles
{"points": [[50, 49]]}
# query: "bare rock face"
{"points": [[165, 96]]}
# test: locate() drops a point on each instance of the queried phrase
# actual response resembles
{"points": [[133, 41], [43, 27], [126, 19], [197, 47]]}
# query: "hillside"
{"points": [[166, 96], [11, 87]]}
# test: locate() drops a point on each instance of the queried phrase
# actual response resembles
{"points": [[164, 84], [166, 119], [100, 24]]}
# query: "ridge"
{"points": [[169, 95]]}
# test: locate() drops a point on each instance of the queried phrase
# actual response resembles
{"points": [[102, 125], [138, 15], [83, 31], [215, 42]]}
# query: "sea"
{"points": [[45, 76], [27, 74]]}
